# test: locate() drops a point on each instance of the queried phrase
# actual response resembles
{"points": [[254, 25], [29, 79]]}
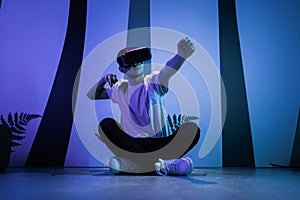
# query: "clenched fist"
{"points": [[185, 48], [111, 79]]}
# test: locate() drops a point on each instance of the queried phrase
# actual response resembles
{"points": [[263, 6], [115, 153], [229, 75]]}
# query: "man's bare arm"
{"points": [[98, 91], [185, 49]]}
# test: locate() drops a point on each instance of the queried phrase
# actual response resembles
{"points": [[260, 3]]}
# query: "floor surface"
{"points": [[99, 183]]}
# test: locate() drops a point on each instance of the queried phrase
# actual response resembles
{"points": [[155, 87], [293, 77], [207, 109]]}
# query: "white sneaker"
{"points": [[118, 165], [181, 166]]}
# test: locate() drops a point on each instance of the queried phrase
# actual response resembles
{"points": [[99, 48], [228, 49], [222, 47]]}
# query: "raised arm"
{"points": [[185, 49], [98, 91]]}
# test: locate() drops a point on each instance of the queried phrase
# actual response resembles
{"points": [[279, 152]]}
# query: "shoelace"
{"points": [[163, 167]]}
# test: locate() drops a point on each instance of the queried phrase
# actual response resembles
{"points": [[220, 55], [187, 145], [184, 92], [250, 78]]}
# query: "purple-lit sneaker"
{"points": [[119, 165], [181, 167]]}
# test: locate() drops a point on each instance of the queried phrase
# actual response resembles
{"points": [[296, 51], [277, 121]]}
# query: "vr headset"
{"points": [[134, 57]]}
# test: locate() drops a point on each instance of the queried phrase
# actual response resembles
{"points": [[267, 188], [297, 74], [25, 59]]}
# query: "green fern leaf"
{"points": [[18, 126], [21, 116], [3, 121], [10, 119], [170, 121], [178, 121], [174, 123], [16, 118], [14, 130], [180, 118], [30, 117], [183, 118], [17, 137], [23, 123], [25, 115], [34, 116], [14, 144], [174, 120], [191, 118]]}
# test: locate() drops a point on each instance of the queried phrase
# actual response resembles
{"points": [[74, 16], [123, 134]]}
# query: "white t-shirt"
{"points": [[142, 106]]}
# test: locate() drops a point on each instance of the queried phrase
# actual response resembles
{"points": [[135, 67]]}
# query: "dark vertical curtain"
{"points": [[295, 157], [52, 139], [237, 144], [139, 17]]}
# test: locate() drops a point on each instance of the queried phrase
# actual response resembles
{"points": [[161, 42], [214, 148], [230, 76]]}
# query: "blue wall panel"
{"points": [[32, 35], [104, 19], [199, 21], [269, 34]]}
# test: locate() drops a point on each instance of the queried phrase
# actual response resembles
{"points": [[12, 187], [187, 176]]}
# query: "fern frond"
{"points": [[17, 137], [16, 118], [14, 130], [10, 119], [175, 120], [30, 117], [14, 144], [183, 118], [170, 122], [180, 118], [3, 121], [21, 116], [23, 123], [19, 127], [190, 118], [169, 118]]}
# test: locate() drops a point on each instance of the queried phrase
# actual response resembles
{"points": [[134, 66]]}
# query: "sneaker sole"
{"points": [[114, 165], [190, 161]]}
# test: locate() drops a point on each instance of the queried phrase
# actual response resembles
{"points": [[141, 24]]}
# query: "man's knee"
{"points": [[106, 122], [192, 129], [109, 127]]}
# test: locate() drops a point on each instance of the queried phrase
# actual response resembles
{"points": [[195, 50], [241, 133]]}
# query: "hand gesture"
{"points": [[110, 79], [185, 48]]}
